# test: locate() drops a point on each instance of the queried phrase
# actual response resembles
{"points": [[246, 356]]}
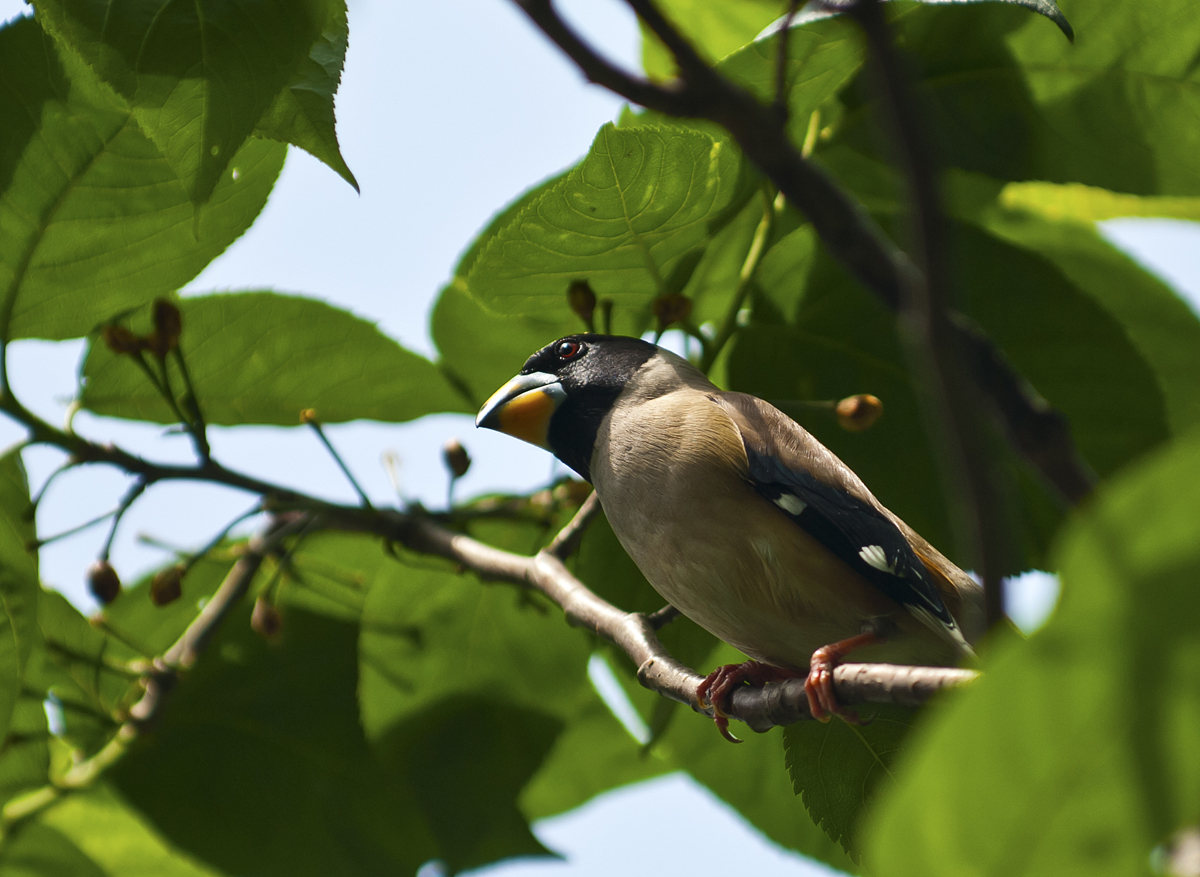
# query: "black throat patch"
{"points": [[592, 382]]}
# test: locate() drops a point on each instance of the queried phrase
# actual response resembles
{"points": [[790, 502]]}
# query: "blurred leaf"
{"points": [[116, 839], [199, 77], [837, 768], [430, 634], [95, 220], [260, 767], [715, 29], [467, 759], [36, 850], [302, 114], [261, 357], [1048, 8], [1007, 96], [1160, 324], [25, 754], [622, 219], [18, 564], [1075, 752], [593, 754], [1074, 201]]}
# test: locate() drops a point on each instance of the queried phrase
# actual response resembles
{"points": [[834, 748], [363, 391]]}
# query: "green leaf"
{"points": [[1165, 331], [200, 77], [1075, 752], [95, 220], [260, 767], [302, 113], [36, 850], [838, 768], [262, 357], [116, 839], [641, 200], [18, 559], [1007, 96], [25, 755], [715, 29], [430, 634]]}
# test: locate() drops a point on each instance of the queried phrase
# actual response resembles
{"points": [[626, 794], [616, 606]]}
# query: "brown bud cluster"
{"points": [[168, 324], [122, 341], [673, 308], [857, 413], [582, 300], [456, 458], [265, 619], [167, 586], [103, 582]]}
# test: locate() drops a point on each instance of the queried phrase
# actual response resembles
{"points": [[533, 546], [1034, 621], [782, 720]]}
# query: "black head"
{"points": [[564, 392]]}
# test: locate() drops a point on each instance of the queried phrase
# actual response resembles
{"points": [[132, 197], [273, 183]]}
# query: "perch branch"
{"points": [[845, 228]]}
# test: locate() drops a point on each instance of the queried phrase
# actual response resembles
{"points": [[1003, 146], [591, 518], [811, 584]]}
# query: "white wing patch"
{"points": [[874, 555], [791, 503]]}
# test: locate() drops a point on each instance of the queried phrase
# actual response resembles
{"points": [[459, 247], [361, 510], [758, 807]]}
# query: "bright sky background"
{"points": [[447, 111]]}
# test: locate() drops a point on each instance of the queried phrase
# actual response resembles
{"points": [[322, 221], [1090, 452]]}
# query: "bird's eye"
{"points": [[568, 350]]}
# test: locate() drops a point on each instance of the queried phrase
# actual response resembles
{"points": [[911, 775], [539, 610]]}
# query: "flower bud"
{"points": [[456, 458], [265, 619], [103, 582], [168, 324], [167, 585], [582, 301], [673, 308], [856, 413], [308, 415], [120, 340]]}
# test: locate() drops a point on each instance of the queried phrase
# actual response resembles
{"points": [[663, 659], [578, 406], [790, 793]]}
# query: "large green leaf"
{"points": [[302, 114], [716, 29], [36, 850], [1165, 331], [199, 77], [116, 839], [623, 219], [18, 563], [1075, 753], [94, 219], [259, 766], [262, 357], [1009, 97]]}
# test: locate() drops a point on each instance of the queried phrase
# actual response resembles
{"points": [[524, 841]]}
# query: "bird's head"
{"points": [[561, 396]]}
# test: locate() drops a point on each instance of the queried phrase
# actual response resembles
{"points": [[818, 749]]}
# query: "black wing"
{"points": [[852, 529]]}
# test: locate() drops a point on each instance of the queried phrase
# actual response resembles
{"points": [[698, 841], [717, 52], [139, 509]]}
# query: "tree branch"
{"points": [[847, 231]]}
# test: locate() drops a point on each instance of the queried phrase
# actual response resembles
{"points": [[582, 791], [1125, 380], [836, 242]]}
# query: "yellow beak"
{"points": [[523, 407]]}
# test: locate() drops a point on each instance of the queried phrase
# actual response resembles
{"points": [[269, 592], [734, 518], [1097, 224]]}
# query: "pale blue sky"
{"points": [[447, 111]]}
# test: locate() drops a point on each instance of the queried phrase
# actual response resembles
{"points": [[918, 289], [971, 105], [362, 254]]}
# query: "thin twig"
{"points": [[567, 541], [131, 495], [196, 423], [337, 458], [781, 57]]}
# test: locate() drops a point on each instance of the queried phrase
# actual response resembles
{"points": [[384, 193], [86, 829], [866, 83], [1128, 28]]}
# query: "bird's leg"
{"points": [[720, 684], [822, 702]]}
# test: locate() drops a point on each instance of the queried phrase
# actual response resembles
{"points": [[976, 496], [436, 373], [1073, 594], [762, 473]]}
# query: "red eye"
{"points": [[569, 350]]}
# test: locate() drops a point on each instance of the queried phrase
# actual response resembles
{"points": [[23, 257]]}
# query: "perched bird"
{"points": [[739, 518]]}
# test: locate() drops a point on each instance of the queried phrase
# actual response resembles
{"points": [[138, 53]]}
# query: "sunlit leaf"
{"points": [[200, 77], [262, 357], [95, 220], [1075, 752], [640, 201]]}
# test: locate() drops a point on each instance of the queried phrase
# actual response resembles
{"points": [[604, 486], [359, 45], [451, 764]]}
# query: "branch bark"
{"points": [[1039, 433]]}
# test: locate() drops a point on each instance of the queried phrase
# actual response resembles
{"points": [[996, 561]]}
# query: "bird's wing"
{"points": [[821, 494]]}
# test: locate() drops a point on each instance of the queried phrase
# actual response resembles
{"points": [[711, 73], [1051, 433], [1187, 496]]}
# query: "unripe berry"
{"points": [[856, 413]]}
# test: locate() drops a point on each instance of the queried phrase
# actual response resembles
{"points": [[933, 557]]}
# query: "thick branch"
{"points": [[847, 231]]}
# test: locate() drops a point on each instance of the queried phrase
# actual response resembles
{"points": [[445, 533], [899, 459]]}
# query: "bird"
{"points": [[740, 518]]}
